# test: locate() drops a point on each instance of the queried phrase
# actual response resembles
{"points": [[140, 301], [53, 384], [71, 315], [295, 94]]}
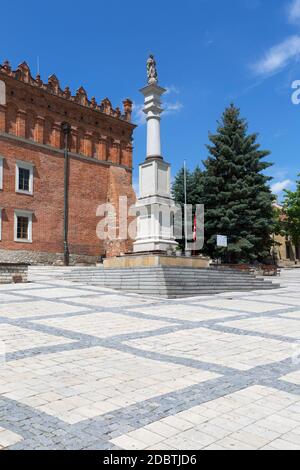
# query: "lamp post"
{"points": [[66, 130]]}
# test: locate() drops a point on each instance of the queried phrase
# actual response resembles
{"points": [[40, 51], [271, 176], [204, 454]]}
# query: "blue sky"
{"points": [[209, 53]]}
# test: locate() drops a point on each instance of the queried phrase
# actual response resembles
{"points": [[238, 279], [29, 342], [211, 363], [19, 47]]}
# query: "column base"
{"points": [[142, 246]]}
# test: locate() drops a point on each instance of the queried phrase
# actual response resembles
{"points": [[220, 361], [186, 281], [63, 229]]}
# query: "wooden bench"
{"points": [[244, 268], [270, 270]]}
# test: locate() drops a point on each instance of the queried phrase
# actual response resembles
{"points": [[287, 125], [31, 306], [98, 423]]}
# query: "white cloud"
{"points": [[279, 56], [172, 108], [169, 108], [294, 11], [208, 39], [172, 89], [277, 188], [135, 185], [282, 54], [139, 116]]}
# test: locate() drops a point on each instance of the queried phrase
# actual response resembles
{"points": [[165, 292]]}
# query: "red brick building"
{"points": [[32, 168]]}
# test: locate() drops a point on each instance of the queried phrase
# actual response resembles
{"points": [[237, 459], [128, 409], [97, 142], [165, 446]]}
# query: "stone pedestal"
{"points": [[156, 260]]}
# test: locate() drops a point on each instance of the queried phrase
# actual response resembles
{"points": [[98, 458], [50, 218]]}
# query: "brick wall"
{"points": [[120, 183], [31, 114]]}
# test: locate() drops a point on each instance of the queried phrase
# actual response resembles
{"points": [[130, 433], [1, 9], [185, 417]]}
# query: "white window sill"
{"points": [[25, 193], [17, 240]]}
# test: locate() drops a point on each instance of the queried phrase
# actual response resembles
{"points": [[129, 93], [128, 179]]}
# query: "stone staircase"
{"points": [[158, 281]]}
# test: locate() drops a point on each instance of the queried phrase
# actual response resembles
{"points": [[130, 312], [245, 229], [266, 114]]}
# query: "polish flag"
{"points": [[195, 229]]}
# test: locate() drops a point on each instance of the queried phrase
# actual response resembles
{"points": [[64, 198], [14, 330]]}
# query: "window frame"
{"points": [[23, 213], [24, 166]]}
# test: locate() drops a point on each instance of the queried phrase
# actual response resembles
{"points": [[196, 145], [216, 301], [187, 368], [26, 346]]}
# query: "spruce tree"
{"points": [[178, 186], [194, 184], [197, 186], [236, 193]]}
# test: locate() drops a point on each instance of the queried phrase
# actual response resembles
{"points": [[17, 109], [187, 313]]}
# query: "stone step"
{"points": [[172, 281], [203, 288], [158, 269], [169, 281], [159, 275], [187, 286], [155, 268], [184, 294], [154, 288], [154, 275], [161, 282], [178, 286], [180, 291], [98, 270]]}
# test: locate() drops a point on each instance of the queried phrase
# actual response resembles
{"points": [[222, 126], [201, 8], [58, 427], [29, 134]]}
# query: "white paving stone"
{"points": [[16, 338], [8, 438], [230, 430], [105, 375], [226, 349], [104, 324]]}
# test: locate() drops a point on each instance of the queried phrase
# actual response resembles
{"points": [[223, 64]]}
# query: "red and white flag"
{"points": [[195, 229]]}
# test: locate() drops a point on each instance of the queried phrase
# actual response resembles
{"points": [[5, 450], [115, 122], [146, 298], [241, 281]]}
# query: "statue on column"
{"points": [[151, 70]]}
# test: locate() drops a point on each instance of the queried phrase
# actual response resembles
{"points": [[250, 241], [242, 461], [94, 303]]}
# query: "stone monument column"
{"points": [[155, 222], [153, 110]]}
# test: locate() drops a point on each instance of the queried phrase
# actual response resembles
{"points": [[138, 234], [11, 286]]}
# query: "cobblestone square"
{"points": [[83, 367]]}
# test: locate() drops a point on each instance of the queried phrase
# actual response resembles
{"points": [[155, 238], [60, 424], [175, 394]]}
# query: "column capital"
{"points": [[153, 89], [89, 134], [21, 112]]}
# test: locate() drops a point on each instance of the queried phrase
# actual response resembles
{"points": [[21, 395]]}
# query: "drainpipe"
{"points": [[66, 130]]}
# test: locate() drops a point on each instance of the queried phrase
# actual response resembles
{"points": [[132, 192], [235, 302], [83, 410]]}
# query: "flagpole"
{"points": [[185, 208]]}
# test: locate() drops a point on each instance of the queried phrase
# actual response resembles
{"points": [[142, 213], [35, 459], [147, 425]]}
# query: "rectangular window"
{"points": [[23, 226], [24, 177]]}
